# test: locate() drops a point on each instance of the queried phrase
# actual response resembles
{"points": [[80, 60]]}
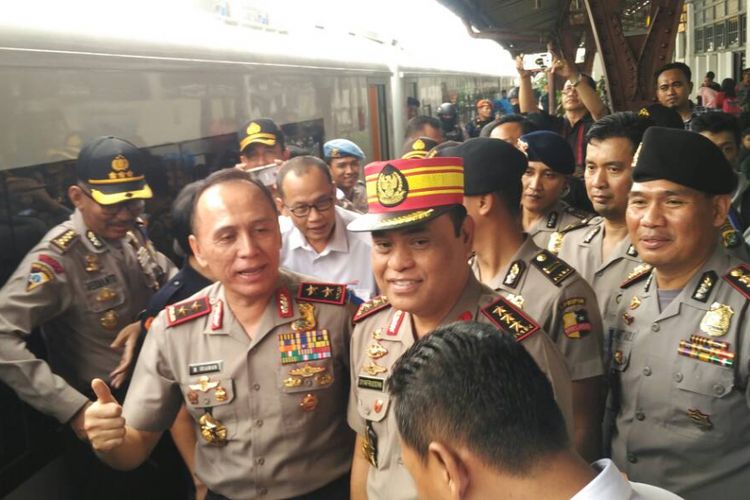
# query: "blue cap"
{"points": [[339, 148], [549, 148]]}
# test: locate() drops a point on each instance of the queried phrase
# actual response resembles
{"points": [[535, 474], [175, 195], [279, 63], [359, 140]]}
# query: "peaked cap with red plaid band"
{"points": [[403, 193]]}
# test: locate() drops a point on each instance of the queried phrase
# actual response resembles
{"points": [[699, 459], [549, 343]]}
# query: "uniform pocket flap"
{"points": [[703, 378]]}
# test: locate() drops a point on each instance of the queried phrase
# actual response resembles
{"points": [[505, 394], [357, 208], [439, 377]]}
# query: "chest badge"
{"points": [[635, 302], [376, 350], [109, 319], [715, 322], [307, 322], [212, 430], [92, 264]]}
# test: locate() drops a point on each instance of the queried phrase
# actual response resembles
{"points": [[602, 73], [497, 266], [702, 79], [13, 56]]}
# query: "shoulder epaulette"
{"points": [[327, 293], [509, 318], [371, 307], [636, 275], [65, 240], [575, 225], [183, 312], [739, 278], [553, 267]]}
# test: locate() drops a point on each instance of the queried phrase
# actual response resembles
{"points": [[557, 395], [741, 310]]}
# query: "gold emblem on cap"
{"points": [[418, 145], [392, 186], [120, 163], [253, 128], [715, 322]]}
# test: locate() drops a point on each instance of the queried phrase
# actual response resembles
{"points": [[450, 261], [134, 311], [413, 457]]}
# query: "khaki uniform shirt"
{"points": [[269, 411], [582, 249], [379, 339], [683, 421], [548, 230], [81, 290], [558, 298]]}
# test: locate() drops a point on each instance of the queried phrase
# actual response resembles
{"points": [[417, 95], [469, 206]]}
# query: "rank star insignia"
{"points": [[635, 302], [186, 311], [94, 240], [739, 278], [327, 293], [715, 322], [509, 318], [374, 369]]}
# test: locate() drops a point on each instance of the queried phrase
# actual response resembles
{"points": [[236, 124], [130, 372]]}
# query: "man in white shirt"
{"points": [[477, 419], [317, 242]]}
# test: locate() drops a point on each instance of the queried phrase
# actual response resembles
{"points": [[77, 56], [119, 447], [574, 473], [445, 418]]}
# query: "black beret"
{"points": [[662, 116], [490, 165], [684, 157], [549, 148]]}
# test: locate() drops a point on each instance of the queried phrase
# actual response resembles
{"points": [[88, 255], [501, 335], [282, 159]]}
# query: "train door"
{"points": [[377, 104]]}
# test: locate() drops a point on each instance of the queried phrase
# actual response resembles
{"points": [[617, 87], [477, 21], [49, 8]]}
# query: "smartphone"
{"points": [[542, 60]]}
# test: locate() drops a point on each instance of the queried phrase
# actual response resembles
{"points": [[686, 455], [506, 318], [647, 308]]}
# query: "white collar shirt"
{"points": [[346, 258], [610, 484]]}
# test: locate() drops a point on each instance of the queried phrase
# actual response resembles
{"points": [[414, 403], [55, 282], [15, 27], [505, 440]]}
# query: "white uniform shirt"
{"points": [[346, 258], [609, 484]]}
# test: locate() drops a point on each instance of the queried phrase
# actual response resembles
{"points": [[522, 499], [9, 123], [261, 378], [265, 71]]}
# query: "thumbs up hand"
{"points": [[103, 420]]}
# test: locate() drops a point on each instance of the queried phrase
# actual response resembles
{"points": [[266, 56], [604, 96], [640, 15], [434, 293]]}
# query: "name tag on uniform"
{"points": [[101, 282], [374, 383], [207, 367]]}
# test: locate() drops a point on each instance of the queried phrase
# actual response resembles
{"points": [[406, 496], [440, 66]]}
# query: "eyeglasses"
{"points": [[135, 207], [304, 210]]}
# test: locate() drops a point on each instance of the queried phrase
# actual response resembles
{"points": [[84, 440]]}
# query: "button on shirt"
{"points": [[567, 310], [609, 484], [683, 421], [81, 290], [284, 413], [346, 258], [390, 331]]}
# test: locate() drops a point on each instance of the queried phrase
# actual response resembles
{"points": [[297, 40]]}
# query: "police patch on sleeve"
{"points": [[40, 274]]}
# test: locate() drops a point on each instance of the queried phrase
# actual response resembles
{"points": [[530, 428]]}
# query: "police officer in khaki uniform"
{"points": [[601, 252], [262, 143], [86, 280], [543, 286], [545, 216], [260, 359], [421, 243], [682, 341]]}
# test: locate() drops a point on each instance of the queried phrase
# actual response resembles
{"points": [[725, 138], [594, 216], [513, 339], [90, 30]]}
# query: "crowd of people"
{"points": [[535, 307]]}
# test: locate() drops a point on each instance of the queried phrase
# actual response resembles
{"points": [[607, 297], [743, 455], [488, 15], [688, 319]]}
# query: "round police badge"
{"points": [[392, 186]]}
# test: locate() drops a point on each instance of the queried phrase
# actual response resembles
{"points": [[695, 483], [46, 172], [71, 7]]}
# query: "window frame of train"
{"points": [[379, 110]]}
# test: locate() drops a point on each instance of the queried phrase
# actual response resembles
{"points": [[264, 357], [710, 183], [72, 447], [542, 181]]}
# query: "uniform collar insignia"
{"points": [[705, 285]]}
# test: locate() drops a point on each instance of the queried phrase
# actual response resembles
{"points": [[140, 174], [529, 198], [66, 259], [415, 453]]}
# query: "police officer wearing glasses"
{"points": [[85, 281]]}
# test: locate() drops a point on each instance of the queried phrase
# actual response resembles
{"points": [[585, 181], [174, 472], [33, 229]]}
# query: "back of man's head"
{"points": [[470, 386], [624, 124], [716, 122], [415, 126], [182, 214]]}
